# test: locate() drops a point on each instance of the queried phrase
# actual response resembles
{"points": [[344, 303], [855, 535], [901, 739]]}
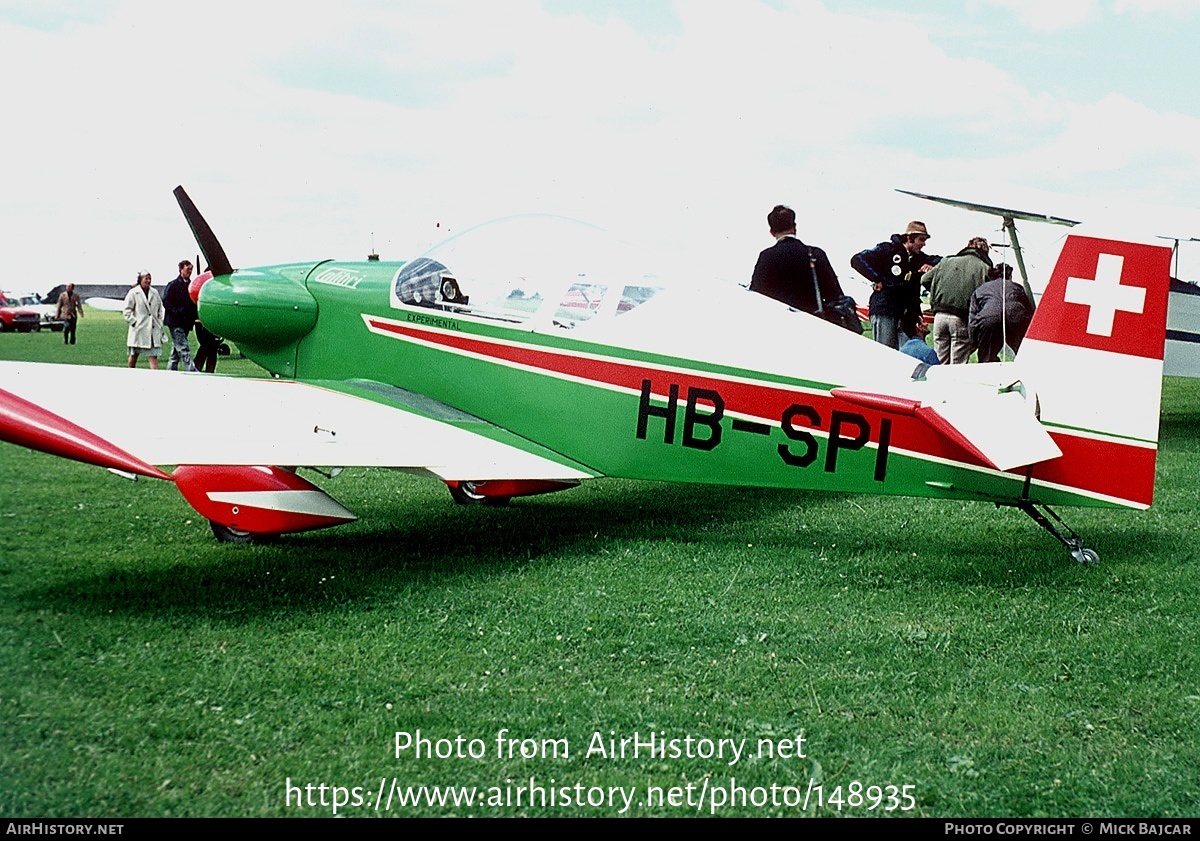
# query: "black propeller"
{"points": [[218, 263]]}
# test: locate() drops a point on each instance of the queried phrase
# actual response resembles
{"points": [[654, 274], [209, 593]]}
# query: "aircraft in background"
{"points": [[1183, 320], [97, 302], [1182, 354], [529, 354]]}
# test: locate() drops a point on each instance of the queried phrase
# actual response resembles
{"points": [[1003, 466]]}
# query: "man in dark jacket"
{"points": [[790, 271], [893, 269], [181, 315], [1000, 313]]}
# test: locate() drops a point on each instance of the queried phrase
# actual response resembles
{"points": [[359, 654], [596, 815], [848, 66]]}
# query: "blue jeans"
{"points": [[181, 351], [885, 329]]}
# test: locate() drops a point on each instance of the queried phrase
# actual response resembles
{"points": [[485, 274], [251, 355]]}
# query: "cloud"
{"points": [[1060, 15], [301, 135], [1178, 8], [1126, 146], [1043, 16], [55, 15]]}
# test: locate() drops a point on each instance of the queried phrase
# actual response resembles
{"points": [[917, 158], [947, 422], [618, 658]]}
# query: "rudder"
{"points": [[1094, 355]]}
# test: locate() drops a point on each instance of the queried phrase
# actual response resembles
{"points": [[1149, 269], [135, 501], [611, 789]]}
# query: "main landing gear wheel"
{"points": [[467, 493], [226, 534]]}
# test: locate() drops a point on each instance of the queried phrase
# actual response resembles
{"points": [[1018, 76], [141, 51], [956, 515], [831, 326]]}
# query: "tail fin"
{"points": [[1094, 355]]}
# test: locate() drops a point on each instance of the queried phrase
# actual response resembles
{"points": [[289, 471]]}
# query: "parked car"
{"points": [[33, 301], [13, 316]]}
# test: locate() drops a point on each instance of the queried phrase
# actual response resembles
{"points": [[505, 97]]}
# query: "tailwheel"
{"points": [[468, 493], [1067, 536]]}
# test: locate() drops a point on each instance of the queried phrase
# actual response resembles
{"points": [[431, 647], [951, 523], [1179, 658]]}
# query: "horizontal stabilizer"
{"points": [[997, 428], [1002, 428]]}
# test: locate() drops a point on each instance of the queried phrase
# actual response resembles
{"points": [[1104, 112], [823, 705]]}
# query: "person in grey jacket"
{"points": [[1000, 313]]}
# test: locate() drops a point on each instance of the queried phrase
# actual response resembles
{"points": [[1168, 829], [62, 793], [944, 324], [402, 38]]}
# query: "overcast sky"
{"points": [[301, 130]]}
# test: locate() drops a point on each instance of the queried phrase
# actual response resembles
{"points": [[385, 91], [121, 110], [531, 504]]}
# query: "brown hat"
{"points": [[916, 227]]}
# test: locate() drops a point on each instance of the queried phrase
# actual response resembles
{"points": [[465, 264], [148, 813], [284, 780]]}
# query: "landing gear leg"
{"points": [[1070, 538]]}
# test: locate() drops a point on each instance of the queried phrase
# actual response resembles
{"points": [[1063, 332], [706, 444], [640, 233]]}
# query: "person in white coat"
{"points": [[144, 314]]}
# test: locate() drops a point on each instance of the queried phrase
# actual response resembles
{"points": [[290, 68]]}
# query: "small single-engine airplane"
{"points": [[526, 355]]}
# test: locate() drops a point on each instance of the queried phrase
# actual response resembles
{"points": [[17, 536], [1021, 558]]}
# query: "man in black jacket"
{"points": [[790, 271], [181, 315], [893, 269]]}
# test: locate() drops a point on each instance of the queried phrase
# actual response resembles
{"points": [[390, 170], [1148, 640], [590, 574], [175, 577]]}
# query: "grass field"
{"points": [[951, 648]]}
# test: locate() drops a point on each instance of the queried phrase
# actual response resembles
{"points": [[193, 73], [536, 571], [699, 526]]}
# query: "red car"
{"points": [[15, 317]]}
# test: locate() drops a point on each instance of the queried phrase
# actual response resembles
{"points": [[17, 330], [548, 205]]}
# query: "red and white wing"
{"points": [[171, 418]]}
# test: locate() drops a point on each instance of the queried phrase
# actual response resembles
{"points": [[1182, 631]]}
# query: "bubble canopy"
{"points": [[540, 271]]}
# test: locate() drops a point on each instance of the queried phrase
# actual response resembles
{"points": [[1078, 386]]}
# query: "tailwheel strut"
{"points": [[1067, 536]]}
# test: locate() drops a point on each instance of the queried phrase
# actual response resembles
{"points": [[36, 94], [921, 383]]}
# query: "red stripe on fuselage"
{"points": [[1079, 467], [1110, 468], [755, 400]]}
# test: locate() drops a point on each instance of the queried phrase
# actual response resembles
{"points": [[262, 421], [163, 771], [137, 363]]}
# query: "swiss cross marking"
{"points": [[1105, 295]]}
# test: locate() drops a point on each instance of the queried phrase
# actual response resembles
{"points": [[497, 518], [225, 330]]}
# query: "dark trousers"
{"points": [[206, 354], [69, 331], [990, 341]]}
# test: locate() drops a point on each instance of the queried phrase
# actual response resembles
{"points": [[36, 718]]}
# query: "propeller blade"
{"points": [[218, 263]]}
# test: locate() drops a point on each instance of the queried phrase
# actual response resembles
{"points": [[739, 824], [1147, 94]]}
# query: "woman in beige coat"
{"points": [[144, 314]]}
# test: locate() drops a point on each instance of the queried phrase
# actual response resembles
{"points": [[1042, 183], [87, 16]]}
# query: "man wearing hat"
{"points": [[893, 269]]}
